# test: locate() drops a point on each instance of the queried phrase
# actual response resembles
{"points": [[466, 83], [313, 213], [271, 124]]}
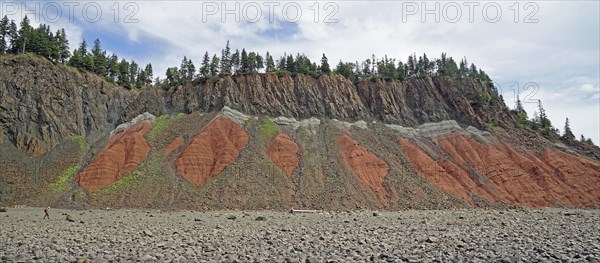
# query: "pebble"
{"points": [[420, 236]]}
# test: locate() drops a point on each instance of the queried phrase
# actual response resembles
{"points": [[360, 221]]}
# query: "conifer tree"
{"points": [[24, 36], [214, 66], [173, 76], [4, 26], [191, 69], [260, 64], [568, 134], [149, 74], [226, 60], [325, 69], [251, 62], [235, 61], [123, 79], [205, 68], [13, 36], [99, 58], [245, 67], [133, 73], [63, 46], [270, 64], [183, 68]]}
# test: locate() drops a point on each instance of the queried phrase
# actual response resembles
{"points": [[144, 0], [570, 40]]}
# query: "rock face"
{"points": [[283, 151], [409, 103], [121, 155], [211, 150], [367, 167], [61, 118], [497, 172], [38, 112]]}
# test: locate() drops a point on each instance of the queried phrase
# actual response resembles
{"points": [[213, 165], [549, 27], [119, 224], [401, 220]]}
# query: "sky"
{"points": [[540, 50]]}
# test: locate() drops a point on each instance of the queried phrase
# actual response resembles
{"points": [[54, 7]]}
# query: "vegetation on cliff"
{"points": [[55, 47]]}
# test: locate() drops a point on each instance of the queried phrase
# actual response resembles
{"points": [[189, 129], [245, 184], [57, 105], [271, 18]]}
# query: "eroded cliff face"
{"points": [[495, 171], [378, 144], [57, 102], [42, 103], [409, 103]]}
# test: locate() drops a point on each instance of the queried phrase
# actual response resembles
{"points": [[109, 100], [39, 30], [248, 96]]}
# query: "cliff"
{"points": [[409, 103], [263, 141], [42, 103]]}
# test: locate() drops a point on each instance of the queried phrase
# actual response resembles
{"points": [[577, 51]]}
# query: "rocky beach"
{"points": [[472, 235]]}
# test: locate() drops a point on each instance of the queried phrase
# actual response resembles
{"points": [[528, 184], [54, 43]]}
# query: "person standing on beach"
{"points": [[47, 211]]}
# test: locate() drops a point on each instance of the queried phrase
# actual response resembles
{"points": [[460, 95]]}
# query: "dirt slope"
{"points": [[121, 155], [211, 150], [497, 172], [283, 151], [369, 169]]}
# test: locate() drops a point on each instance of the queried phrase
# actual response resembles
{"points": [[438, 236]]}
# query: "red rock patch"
{"points": [[283, 151], [367, 167], [211, 150], [121, 155], [178, 142], [498, 172]]}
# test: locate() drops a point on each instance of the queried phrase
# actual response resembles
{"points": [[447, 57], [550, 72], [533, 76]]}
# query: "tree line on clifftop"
{"points": [[55, 47], [243, 62], [41, 41], [540, 122]]}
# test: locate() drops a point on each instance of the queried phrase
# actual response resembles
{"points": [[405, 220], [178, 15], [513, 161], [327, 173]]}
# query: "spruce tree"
{"points": [[149, 74], [226, 60], [191, 69], [13, 36], [214, 66], [251, 62], [260, 64], [235, 61], [99, 58], [133, 73], [568, 134], [205, 68], [245, 67], [401, 69], [183, 67], [519, 105], [113, 67], [325, 69], [270, 64], [24, 37], [173, 76], [290, 64], [544, 123], [4, 23], [63, 52], [410, 67], [123, 78]]}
